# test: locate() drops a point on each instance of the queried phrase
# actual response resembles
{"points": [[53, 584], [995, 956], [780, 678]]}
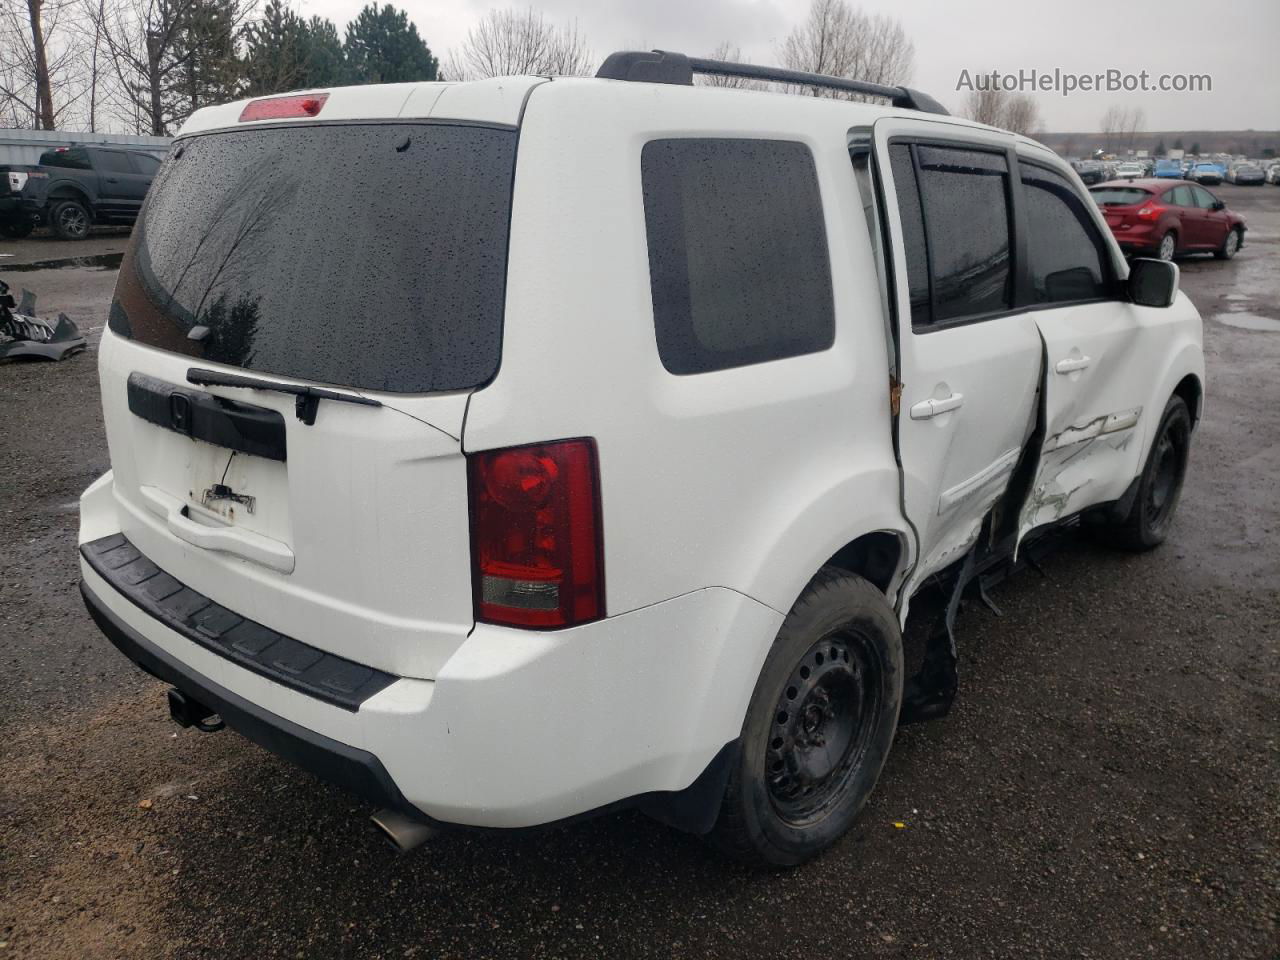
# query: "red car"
{"points": [[1164, 218]]}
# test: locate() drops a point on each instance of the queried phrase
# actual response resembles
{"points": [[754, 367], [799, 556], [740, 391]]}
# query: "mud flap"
{"points": [[930, 693]]}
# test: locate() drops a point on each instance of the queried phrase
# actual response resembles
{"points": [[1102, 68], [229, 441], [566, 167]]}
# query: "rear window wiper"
{"points": [[307, 399]]}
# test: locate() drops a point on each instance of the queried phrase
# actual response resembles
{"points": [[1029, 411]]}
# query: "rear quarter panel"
{"points": [[748, 478]]}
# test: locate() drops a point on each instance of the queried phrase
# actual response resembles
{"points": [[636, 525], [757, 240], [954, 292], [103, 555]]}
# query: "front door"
{"points": [[970, 366], [1213, 222], [1097, 378]]}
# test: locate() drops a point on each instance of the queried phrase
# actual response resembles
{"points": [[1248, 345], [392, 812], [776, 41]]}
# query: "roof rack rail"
{"points": [[664, 66]]}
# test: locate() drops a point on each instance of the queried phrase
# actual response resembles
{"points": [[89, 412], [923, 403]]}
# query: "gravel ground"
{"points": [[1108, 784]]}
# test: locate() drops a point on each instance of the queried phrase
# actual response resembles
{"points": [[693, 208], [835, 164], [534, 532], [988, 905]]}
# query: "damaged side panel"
{"points": [[1079, 466], [1098, 373]]}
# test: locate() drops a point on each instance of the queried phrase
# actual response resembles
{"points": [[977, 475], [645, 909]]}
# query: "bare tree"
{"points": [[842, 41], [1121, 126], [40, 58], [170, 57], [726, 51], [1022, 115], [1111, 124], [1015, 112], [512, 42], [1135, 123], [39, 66], [985, 106]]}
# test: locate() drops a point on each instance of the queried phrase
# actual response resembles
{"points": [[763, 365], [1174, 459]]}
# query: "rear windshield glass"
{"points": [[1118, 196], [368, 255]]}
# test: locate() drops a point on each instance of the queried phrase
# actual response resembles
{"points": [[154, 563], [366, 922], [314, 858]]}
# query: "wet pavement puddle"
{"points": [[101, 261]]}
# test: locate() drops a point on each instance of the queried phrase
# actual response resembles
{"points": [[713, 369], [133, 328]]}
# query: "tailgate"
{"points": [[367, 259], [352, 536]]}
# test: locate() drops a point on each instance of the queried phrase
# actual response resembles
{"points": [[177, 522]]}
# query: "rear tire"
{"points": [[69, 220], [1159, 487], [1167, 246], [1230, 245], [819, 726], [17, 229]]}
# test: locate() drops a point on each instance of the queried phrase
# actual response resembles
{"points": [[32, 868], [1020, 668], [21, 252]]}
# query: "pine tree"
{"points": [[275, 51], [208, 69], [324, 64], [382, 46]]}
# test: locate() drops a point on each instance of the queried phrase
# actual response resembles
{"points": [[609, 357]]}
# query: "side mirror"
{"points": [[1152, 283], [1218, 205]]}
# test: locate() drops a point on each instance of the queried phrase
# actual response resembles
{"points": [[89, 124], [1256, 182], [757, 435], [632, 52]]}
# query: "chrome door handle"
{"points": [[1071, 366], [926, 409]]}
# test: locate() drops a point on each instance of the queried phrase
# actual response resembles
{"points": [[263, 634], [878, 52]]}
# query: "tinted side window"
{"points": [[1067, 256], [110, 162], [1180, 197], [904, 183], [1204, 199], [76, 158], [966, 214], [738, 263], [144, 164]]}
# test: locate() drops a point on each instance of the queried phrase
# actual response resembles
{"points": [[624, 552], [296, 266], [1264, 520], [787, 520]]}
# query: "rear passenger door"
{"points": [[1098, 350], [122, 187], [970, 362], [1213, 223], [1191, 217]]}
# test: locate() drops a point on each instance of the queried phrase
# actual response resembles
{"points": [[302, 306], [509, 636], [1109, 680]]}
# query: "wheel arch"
{"points": [[1191, 390], [69, 191], [878, 557], [1183, 377]]}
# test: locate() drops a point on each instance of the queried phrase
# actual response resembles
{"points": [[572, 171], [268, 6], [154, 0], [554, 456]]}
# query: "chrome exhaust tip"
{"points": [[403, 833]]}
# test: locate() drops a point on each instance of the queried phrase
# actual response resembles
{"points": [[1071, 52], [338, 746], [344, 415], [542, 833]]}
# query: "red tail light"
{"points": [[537, 557], [284, 108], [1151, 211]]}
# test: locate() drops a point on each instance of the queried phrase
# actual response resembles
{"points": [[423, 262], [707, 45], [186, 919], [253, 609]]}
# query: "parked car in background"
{"points": [[1273, 173], [1210, 173], [1246, 174], [1169, 168], [1165, 218], [1089, 171], [387, 497], [73, 188], [22, 192], [1131, 170]]}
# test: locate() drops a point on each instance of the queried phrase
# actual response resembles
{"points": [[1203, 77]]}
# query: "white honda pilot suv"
{"points": [[515, 450]]}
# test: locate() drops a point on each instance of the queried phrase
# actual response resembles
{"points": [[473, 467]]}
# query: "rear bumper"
{"points": [[1140, 236], [517, 729], [357, 771], [19, 208]]}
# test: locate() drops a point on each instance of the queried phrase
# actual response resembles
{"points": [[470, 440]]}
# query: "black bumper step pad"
{"points": [[289, 662]]}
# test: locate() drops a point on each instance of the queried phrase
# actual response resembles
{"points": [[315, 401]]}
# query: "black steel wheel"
{"points": [[819, 726], [822, 727]]}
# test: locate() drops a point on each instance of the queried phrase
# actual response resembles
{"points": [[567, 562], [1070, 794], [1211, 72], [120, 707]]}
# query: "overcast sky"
{"points": [[1234, 41]]}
